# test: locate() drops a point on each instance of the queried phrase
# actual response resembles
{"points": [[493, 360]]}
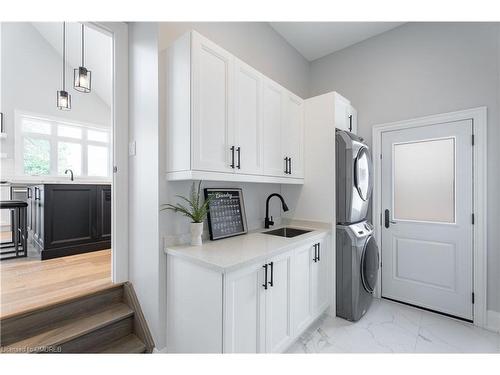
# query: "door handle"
{"points": [[232, 157], [271, 283], [387, 219], [286, 165], [350, 123], [265, 277], [238, 150]]}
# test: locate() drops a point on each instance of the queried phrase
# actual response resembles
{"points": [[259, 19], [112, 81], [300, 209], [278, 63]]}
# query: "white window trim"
{"points": [[53, 138]]}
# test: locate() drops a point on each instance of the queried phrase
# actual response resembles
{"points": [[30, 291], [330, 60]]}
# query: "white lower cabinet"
{"points": [[262, 308]]}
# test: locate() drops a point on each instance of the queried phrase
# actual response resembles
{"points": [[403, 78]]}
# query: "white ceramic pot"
{"points": [[196, 231]]}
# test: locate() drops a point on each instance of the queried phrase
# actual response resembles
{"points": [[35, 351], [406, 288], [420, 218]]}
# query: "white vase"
{"points": [[196, 231]]}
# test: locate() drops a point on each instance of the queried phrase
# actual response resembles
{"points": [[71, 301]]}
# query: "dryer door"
{"points": [[363, 174], [369, 264]]}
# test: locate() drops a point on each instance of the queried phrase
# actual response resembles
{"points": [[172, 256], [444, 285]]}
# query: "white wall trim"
{"points": [[479, 121], [119, 240], [493, 323]]}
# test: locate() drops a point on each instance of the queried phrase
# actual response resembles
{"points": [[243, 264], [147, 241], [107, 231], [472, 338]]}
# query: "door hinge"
{"points": [[115, 169], [473, 139], [473, 298], [473, 219]]}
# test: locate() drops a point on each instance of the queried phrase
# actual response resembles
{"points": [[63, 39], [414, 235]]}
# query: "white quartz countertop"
{"points": [[235, 252], [42, 181]]}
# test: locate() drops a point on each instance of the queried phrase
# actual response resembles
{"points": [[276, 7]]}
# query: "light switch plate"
{"points": [[131, 148]]}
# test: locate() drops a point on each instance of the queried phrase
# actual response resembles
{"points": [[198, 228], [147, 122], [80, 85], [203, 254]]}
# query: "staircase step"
{"points": [[30, 323], [127, 344], [71, 329]]}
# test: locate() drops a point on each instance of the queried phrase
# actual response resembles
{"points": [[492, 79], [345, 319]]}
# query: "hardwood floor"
{"points": [[27, 284]]}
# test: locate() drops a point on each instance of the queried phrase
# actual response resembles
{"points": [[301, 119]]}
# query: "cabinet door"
{"points": [[211, 123], [244, 311], [319, 278], [301, 282], [293, 134], [342, 112], [278, 304], [272, 112], [353, 113], [103, 223], [248, 119]]}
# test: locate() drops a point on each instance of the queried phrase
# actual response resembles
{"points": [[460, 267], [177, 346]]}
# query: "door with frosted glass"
{"points": [[427, 217]]}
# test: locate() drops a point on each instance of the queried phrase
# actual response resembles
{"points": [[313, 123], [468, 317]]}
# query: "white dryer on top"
{"points": [[354, 174]]}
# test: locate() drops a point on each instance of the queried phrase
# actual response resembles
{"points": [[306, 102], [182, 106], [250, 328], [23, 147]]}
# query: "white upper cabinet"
{"points": [[274, 164], [292, 135], [226, 121], [248, 119], [345, 114], [212, 110]]}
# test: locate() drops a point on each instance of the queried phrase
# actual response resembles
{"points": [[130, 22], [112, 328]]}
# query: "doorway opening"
{"points": [[61, 161]]}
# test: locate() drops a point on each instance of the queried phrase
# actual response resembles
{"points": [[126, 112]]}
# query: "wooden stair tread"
{"points": [[128, 344], [73, 328]]}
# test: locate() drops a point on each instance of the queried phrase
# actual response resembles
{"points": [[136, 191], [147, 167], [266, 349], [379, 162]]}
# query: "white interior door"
{"points": [[427, 206]]}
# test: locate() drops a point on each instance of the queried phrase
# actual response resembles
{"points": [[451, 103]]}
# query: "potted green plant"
{"points": [[196, 210]]}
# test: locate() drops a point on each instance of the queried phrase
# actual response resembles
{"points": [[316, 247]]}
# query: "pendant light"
{"points": [[63, 98], [82, 76]]}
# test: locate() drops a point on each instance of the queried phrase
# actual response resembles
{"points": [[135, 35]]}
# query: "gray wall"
{"points": [[256, 43], [422, 69]]}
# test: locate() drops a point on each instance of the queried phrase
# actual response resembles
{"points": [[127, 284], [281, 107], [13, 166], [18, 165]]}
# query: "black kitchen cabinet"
{"points": [[71, 219]]}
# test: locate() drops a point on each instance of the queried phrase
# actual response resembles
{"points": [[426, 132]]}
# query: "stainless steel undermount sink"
{"points": [[287, 232]]}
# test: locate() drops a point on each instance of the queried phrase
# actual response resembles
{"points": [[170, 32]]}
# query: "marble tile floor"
{"points": [[390, 327]]}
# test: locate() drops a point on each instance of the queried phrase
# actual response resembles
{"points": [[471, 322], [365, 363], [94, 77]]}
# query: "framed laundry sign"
{"points": [[226, 213]]}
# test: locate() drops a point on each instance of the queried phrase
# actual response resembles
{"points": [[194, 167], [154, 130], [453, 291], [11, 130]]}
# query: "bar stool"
{"points": [[20, 223]]}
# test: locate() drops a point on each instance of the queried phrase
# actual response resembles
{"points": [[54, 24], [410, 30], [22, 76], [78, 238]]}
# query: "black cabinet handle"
{"points": [[265, 273], [289, 165], [350, 123], [286, 165], [319, 252], [238, 150], [271, 283], [315, 259], [232, 157]]}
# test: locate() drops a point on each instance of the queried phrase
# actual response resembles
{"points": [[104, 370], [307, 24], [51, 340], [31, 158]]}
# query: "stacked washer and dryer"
{"points": [[357, 256]]}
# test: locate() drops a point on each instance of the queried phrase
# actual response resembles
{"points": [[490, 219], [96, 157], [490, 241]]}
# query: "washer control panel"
{"points": [[361, 229]]}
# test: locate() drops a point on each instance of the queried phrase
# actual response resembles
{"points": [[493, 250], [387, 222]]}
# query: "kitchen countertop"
{"points": [[21, 181], [235, 252]]}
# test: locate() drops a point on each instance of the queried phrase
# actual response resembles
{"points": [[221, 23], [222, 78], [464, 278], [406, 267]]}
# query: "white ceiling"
{"points": [[98, 49], [317, 39]]}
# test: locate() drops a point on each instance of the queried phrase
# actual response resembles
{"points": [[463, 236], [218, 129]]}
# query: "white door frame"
{"points": [[479, 121], [119, 230]]}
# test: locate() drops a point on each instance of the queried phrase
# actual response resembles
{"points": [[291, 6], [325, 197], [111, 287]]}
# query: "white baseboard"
{"points": [[493, 321]]}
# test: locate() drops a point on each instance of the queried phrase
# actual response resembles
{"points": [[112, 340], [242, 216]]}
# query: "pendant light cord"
{"points": [[64, 58], [83, 45]]}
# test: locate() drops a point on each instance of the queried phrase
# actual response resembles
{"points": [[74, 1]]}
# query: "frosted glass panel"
{"points": [[424, 180]]}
